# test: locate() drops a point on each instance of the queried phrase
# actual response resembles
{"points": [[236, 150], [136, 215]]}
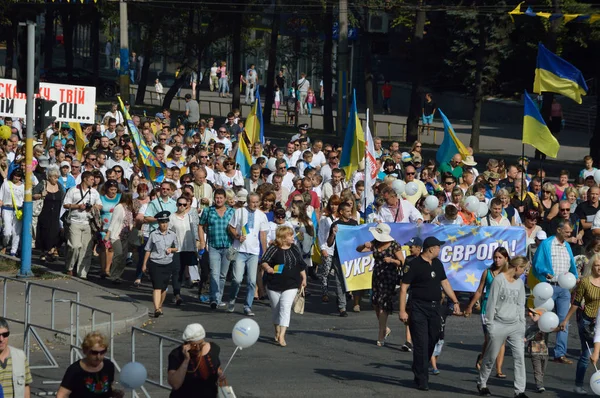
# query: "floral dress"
{"points": [[385, 277]]}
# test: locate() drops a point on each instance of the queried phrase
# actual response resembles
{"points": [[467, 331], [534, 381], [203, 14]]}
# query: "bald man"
{"points": [[453, 167]]}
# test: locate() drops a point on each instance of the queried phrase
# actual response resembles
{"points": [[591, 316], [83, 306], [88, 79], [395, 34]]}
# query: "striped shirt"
{"points": [[215, 227], [6, 381], [561, 261], [589, 295]]}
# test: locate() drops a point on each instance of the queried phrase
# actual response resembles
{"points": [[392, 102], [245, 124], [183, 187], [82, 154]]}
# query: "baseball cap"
{"points": [[432, 241], [416, 241]]}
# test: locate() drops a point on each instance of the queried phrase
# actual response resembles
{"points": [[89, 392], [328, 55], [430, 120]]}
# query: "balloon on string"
{"points": [[245, 333], [548, 305], [482, 209], [271, 164], [567, 280], [543, 291], [5, 132], [411, 188], [133, 375], [431, 203], [472, 204], [399, 187], [595, 382], [548, 322], [597, 176]]}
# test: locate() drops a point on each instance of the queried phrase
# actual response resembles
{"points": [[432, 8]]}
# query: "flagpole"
{"points": [[365, 172], [523, 186]]}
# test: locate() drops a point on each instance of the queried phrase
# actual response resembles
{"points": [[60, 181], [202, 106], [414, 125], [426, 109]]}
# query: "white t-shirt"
{"points": [[240, 220], [225, 141], [74, 195], [5, 195], [183, 230], [229, 182], [318, 159]]}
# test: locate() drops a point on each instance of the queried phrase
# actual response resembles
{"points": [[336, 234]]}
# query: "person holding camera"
{"points": [[79, 202]]}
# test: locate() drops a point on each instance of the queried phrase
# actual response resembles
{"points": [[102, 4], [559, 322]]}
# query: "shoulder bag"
{"points": [[38, 205], [18, 212], [66, 216]]}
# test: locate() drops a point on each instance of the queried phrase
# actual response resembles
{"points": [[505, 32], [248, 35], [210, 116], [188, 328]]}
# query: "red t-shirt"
{"points": [[314, 201], [387, 90]]}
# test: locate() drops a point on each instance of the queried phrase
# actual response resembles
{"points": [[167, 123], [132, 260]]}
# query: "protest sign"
{"points": [[73, 103], [467, 253]]}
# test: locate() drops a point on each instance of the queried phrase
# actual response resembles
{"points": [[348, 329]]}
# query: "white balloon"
{"points": [[472, 204], [548, 305], [245, 333], [597, 176], [567, 280], [548, 322], [411, 188], [398, 186], [133, 375], [595, 382], [482, 209], [431, 203], [543, 291], [271, 164]]}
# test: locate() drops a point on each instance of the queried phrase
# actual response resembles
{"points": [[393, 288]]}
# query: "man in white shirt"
{"points": [[291, 156], [248, 227], [303, 85], [397, 209], [114, 113], [281, 193], [214, 80], [111, 129], [333, 162], [223, 139], [318, 159], [119, 161], [250, 81], [335, 186], [409, 176], [288, 177], [495, 217], [79, 202]]}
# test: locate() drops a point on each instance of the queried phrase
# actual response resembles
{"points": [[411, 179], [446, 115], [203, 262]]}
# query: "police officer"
{"points": [[302, 133], [426, 278], [162, 245]]}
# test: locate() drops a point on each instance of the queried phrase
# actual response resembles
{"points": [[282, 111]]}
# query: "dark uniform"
{"points": [[425, 312]]}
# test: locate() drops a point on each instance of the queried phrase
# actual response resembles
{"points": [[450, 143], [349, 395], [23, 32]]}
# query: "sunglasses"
{"points": [[181, 204], [333, 157], [280, 217], [448, 182], [5, 334], [94, 352], [203, 157], [418, 146], [410, 174], [565, 209]]}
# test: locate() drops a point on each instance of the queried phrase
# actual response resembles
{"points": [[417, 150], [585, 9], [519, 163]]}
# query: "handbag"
{"points": [[298, 306], [225, 391], [18, 212], [65, 218], [38, 205]]}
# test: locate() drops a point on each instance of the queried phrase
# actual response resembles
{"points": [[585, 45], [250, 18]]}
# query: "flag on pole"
{"points": [[451, 145], [254, 123], [555, 75], [370, 166], [80, 140], [152, 168], [535, 131], [259, 116], [354, 143]]}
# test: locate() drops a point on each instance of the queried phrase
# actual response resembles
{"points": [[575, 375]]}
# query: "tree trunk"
{"points": [[143, 83], [366, 46], [270, 93], [49, 36], [95, 42], [478, 85], [414, 113], [328, 70], [236, 64], [595, 140], [10, 49], [68, 38]]}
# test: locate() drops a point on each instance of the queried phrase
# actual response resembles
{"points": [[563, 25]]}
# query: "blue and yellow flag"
{"points": [[451, 145], [259, 116], [254, 125], [278, 268], [80, 140], [555, 75], [535, 131], [354, 142], [245, 230], [152, 168]]}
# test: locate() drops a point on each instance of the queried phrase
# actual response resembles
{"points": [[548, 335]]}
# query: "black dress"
{"points": [[385, 277], [48, 227]]}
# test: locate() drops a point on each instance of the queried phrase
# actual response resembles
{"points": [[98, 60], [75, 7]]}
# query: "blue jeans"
{"points": [[132, 75], [223, 85], [219, 267], [249, 263], [584, 357], [141, 253], [562, 303]]}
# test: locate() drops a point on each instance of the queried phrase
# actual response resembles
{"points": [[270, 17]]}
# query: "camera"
{"points": [[88, 206]]}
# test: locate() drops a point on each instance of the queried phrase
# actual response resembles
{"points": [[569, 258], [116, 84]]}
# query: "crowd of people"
{"points": [[277, 227]]}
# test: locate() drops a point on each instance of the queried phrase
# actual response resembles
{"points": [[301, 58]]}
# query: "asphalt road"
{"points": [[326, 355]]}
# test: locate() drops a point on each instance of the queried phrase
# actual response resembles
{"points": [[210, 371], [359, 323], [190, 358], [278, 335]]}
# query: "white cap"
{"points": [[64, 163], [541, 235], [241, 196], [194, 332]]}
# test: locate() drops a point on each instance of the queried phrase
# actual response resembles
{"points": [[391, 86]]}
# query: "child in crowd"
{"points": [[537, 348], [311, 100], [589, 169], [446, 309], [277, 100]]}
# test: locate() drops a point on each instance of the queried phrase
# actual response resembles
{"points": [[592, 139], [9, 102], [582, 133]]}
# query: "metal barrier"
{"points": [[161, 339], [7, 279]]}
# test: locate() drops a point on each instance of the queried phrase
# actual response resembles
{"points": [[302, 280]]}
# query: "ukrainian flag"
{"points": [[278, 268], [245, 230], [555, 75], [535, 131], [80, 140], [451, 145], [152, 168], [354, 142]]}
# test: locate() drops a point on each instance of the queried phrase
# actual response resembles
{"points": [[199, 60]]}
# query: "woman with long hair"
{"points": [[285, 269], [120, 177], [508, 210], [586, 304], [195, 367], [48, 226], [93, 366], [505, 321], [388, 259], [230, 177], [121, 224], [267, 204], [304, 231], [110, 199], [549, 204], [98, 180], [500, 261], [328, 217]]}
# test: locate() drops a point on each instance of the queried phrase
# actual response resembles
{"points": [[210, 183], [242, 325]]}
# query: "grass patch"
{"points": [[10, 268]]}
